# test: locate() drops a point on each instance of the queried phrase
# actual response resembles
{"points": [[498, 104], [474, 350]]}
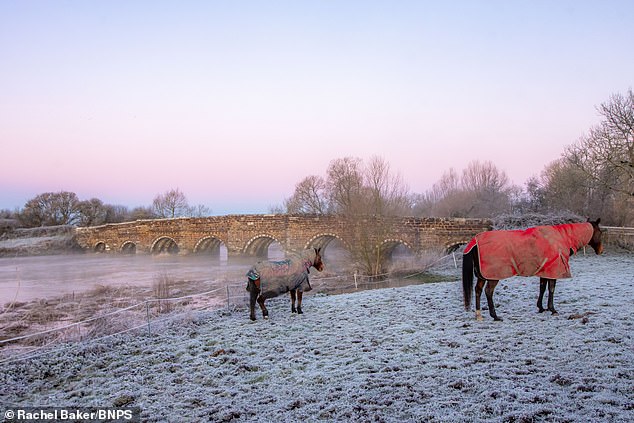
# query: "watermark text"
{"points": [[76, 414]]}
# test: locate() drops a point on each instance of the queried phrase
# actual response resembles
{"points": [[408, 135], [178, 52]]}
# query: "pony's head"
{"points": [[317, 263], [595, 241]]}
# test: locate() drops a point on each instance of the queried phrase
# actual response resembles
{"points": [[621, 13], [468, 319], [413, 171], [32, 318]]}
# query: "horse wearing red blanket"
{"points": [[541, 251]]}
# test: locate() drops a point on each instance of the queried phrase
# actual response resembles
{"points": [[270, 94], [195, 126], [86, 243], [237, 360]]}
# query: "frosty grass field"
{"points": [[399, 354]]}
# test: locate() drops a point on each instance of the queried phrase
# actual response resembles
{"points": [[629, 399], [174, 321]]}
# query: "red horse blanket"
{"points": [[540, 251]]}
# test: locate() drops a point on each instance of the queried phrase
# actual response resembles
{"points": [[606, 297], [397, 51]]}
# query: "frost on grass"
{"points": [[398, 354]]}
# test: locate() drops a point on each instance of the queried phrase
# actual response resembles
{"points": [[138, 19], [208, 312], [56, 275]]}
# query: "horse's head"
{"points": [[595, 241], [317, 263]]}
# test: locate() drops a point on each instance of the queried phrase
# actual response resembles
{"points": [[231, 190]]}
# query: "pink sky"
{"points": [[234, 103]]}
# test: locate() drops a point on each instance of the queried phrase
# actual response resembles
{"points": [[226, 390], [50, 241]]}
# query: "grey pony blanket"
{"points": [[278, 277]]}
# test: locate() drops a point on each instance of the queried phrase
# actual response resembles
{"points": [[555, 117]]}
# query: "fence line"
{"points": [[371, 281]]}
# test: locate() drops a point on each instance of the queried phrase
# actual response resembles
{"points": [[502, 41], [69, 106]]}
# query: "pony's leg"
{"points": [[300, 294], [551, 296], [478, 292], [265, 312], [293, 310], [489, 293], [254, 292], [542, 289]]}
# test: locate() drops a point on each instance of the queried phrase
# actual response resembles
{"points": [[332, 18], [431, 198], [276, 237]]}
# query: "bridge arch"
{"points": [[453, 247], [100, 247], [259, 245], [209, 245], [164, 244], [388, 246], [322, 240], [128, 247]]}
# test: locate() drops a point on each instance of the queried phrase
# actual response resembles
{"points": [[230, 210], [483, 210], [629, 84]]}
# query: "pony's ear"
{"points": [[317, 250], [598, 221]]}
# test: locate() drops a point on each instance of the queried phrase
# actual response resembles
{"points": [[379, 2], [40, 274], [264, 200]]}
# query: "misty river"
{"points": [[28, 278]]}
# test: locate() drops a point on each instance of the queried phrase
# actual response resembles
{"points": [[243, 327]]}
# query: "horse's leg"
{"points": [[551, 296], [300, 294], [542, 289], [265, 312], [254, 291], [489, 293], [478, 293], [293, 310]]}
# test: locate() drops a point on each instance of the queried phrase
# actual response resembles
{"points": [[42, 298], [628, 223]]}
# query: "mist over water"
{"points": [[24, 279], [51, 276]]}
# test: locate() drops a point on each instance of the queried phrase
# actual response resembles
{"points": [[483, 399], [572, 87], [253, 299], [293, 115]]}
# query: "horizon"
{"points": [[234, 104]]}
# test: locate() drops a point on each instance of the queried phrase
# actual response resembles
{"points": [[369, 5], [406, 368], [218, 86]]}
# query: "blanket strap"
{"points": [[307, 265], [540, 266], [517, 271]]}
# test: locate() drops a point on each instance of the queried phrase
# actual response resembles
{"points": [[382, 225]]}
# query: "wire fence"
{"points": [[147, 316]]}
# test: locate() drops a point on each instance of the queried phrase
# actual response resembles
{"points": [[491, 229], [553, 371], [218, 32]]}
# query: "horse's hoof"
{"points": [[252, 318], [498, 319], [299, 311], [479, 315], [293, 310], [541, 310], [554, 313]]}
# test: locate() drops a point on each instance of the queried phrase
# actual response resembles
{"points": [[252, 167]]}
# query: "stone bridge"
{"points": [[253, 234]]}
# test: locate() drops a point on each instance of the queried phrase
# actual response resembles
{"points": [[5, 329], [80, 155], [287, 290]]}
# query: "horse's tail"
{"points": [[467, 277]]}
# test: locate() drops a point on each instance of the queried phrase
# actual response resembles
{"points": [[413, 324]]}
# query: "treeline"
{"points": [[594, 177], [65, 208]]}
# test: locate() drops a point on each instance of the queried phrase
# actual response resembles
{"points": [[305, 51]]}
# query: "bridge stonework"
{"points": [[252, 234]]}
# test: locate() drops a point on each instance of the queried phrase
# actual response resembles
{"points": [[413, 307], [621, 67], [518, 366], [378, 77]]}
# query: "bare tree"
{"points": [[50, 209], [606, 154], [310, 197], [170, 204], [366, 196], [139, 213], [92, 212], [532, 196], [116, 214], [387, 192], [369, 197], [345, 185], [278, 208], [484, 177], [489, 188], [199, 211], [433, 201], [481, 191], [565, 187]]}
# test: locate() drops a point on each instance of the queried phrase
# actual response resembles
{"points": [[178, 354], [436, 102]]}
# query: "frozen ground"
{"points": [[398, 354]]}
